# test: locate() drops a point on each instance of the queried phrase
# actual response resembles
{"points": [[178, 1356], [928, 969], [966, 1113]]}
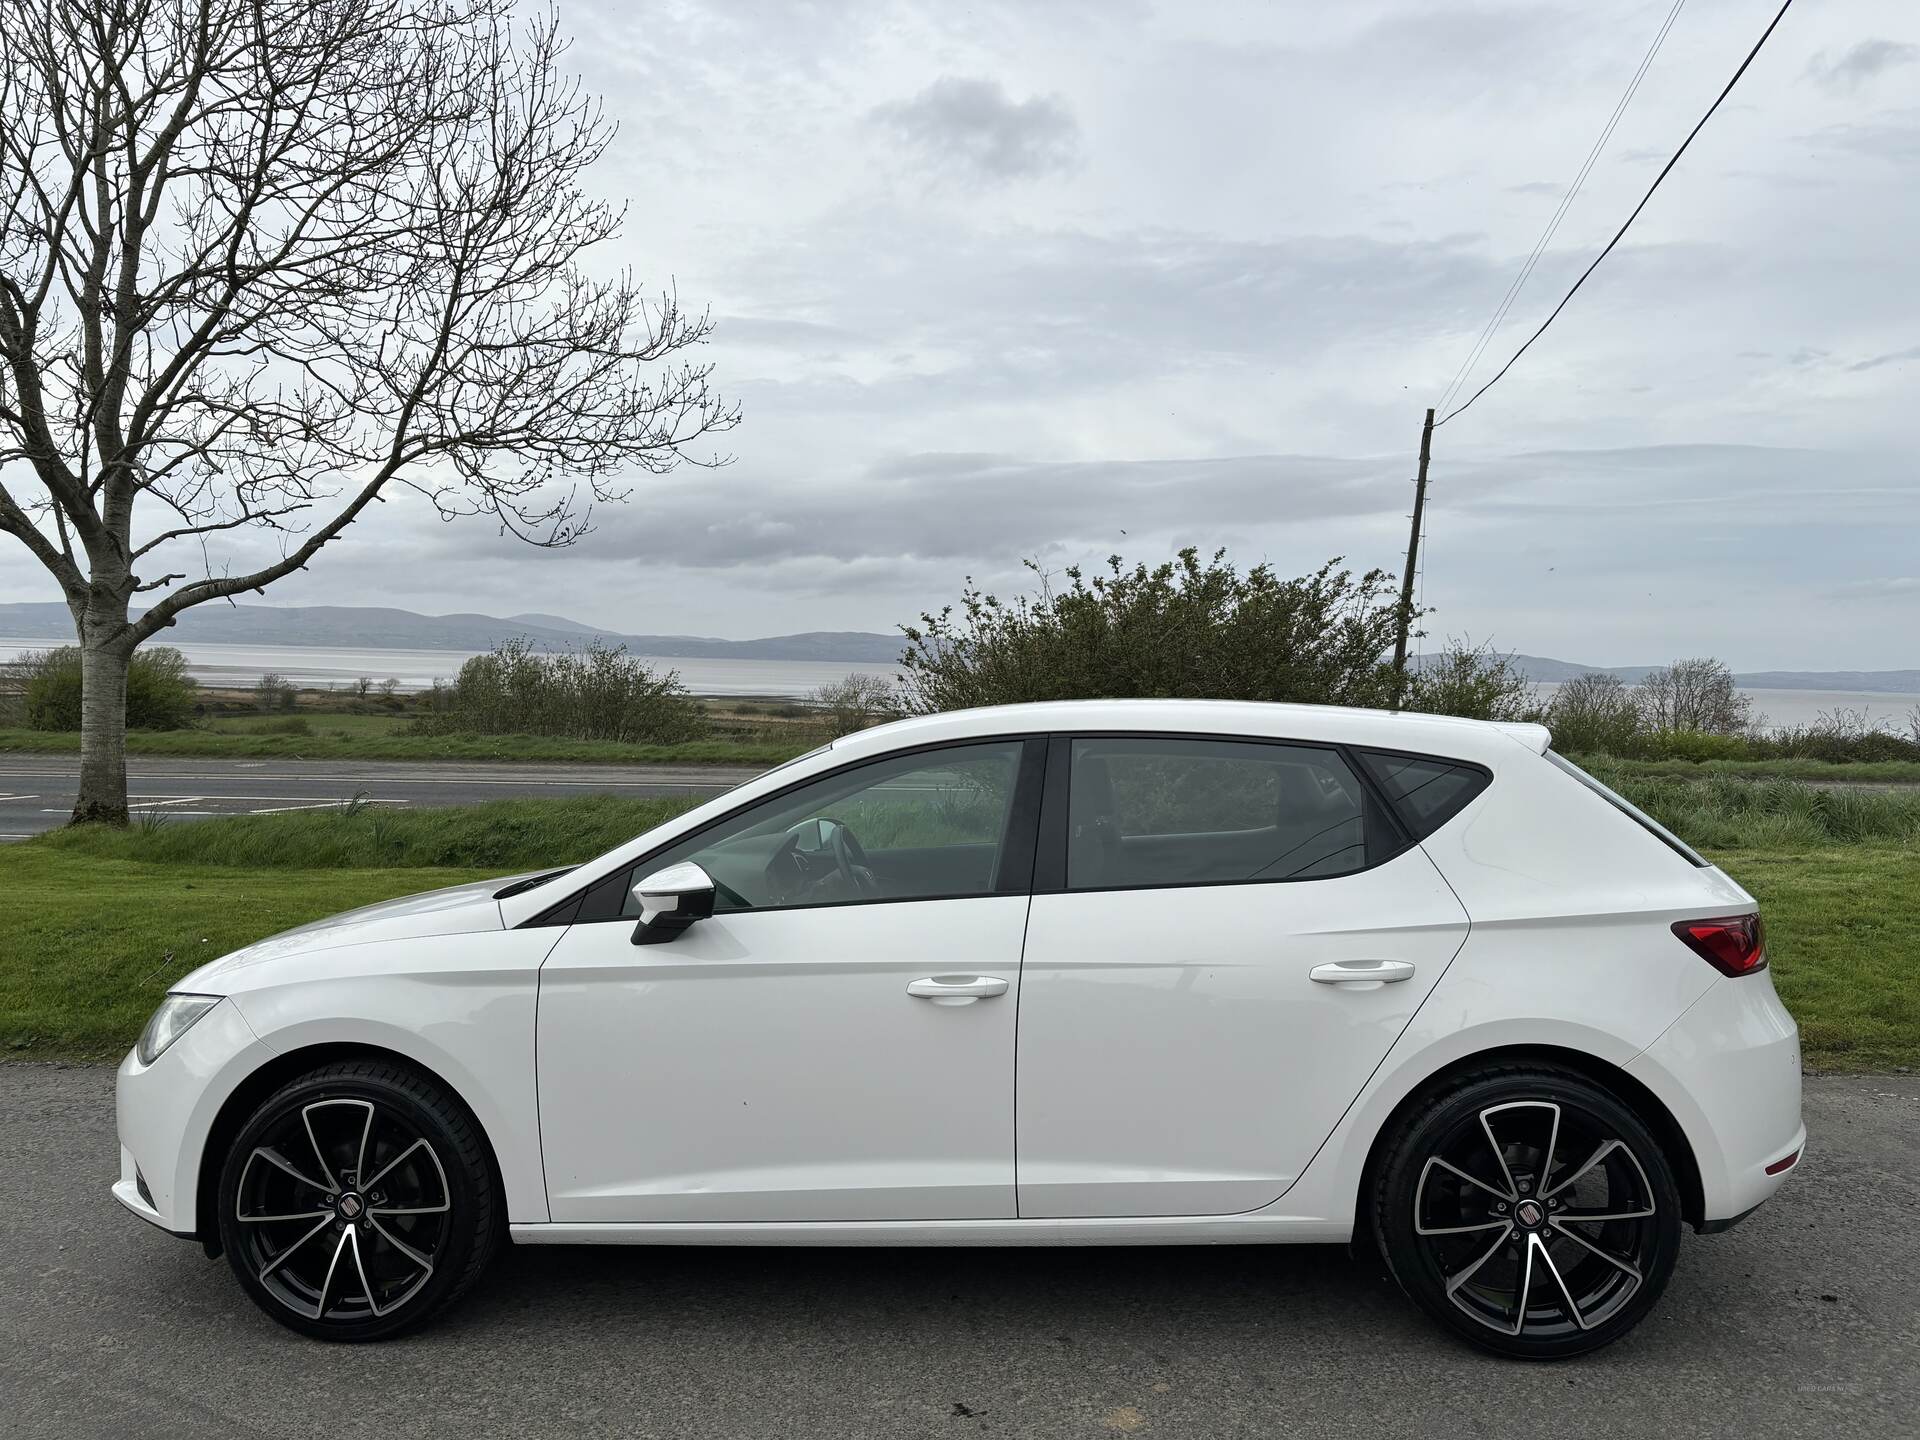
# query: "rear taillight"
{"points": [[1732, 944]]}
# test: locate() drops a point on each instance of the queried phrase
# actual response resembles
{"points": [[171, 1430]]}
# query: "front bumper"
{"points": [[1729, 1070], [165, 1112]]}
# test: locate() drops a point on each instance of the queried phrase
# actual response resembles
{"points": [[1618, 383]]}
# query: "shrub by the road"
{"points": [[855, 703], [598, 692], [160, 693], [1188, 628], [1474, 681]]}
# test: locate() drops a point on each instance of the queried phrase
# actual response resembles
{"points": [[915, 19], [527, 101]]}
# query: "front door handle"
{"points": [[1362, 974], [956, 989]]}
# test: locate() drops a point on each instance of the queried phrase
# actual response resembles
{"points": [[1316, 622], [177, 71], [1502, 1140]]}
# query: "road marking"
{"points": [[326, 805]]}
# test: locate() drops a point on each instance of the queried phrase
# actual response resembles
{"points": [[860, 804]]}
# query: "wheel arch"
{"points": [[279, 1070], [1645, 1103]]}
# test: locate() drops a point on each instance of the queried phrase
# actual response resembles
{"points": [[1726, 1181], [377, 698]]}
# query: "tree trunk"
{"points": [[103, 723]]}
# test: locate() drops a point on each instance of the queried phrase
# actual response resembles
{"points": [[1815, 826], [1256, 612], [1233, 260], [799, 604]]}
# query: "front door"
{"points": [[802, 1054], [1186, 1039]]}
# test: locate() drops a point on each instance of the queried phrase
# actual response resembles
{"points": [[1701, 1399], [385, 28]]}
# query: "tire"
{"points": [[357, 1202], [1499, 1242]]}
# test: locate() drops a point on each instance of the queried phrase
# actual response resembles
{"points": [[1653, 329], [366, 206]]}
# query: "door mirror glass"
{"points": [[670, 900]]}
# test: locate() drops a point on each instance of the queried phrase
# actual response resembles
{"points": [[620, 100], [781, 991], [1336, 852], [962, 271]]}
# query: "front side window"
{"points": [[910, 828], [1149, 812]]}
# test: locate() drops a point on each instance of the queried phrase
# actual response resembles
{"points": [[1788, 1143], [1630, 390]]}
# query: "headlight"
{"points": [[172, 1020]]}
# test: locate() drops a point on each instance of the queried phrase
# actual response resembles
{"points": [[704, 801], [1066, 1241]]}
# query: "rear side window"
{"points": [[1426, 790], [1626, 807], [1146, 812]]}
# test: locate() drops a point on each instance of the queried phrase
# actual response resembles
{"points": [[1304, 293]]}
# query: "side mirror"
{"points": [[670, 901]]}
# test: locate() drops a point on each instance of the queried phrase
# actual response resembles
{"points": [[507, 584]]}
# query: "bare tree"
{"points": [[856, 702], [1697, 695], [1593, 713], [263, 263]]}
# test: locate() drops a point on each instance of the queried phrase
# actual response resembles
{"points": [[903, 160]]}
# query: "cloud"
{"points": [[973, 125], [1895, 141], [1912, 352], [1847, 72]]}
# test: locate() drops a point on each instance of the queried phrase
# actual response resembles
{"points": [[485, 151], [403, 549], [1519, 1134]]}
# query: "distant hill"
{"points": [[380, 628]]}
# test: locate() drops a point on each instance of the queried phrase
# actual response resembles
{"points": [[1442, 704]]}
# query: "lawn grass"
{"points": [[245, 741], [501, 836], [96, 923], [89, 945], [1843, 940]]}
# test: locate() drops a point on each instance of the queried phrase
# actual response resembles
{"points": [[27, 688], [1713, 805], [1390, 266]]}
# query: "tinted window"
{"points": [[1426, 791], [932, 824], [1195, 812]]}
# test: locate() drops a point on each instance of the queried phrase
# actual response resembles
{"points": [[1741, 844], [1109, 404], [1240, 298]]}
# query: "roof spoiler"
{"points": [[1535, 737]]}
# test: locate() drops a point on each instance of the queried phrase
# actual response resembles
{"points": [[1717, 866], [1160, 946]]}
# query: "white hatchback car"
{"points": [[1102, 973]]}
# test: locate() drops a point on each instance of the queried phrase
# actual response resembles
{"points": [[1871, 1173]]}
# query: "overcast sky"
{"points": [[1008, 278]]}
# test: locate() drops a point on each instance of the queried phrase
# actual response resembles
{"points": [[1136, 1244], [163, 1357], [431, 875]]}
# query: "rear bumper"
{"points": [[1729, 1071]]}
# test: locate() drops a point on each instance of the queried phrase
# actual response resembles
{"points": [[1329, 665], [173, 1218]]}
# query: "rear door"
{"points": [[1226, 938]]}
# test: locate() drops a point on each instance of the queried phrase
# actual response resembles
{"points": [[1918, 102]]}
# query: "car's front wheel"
{"points": [[1529, 1210], [357, 1201]]}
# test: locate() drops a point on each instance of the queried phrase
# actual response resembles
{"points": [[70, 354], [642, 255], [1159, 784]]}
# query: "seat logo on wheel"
{"points": [[1528, 1213], [350, 1207]]}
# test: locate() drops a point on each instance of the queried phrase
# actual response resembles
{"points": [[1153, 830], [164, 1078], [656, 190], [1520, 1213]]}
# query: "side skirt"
{"points": [[1254, 1229]]}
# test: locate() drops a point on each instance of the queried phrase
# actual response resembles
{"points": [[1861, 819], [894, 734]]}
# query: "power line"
{"points": [[1519, 281], [1664, 171]]}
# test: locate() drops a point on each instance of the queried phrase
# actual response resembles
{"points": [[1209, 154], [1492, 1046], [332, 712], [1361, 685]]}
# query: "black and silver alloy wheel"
{"points": [[356, 1202], [1533, 1213]]}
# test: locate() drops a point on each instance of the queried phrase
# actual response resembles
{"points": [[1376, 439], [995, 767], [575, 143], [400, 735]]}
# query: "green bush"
{"points": [[1184, 629], [598, 692], [1593, 714], [160, 693], [1694, 745], [1475, 682]]}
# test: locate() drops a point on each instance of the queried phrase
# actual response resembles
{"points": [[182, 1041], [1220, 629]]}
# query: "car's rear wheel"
{"points": [[1529, 1210], [357, 1201]]}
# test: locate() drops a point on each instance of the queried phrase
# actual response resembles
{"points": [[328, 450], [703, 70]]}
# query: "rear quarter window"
{"points": [[1426, 790]]}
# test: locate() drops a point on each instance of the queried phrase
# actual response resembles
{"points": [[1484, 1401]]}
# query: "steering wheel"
{"points": [[792, 872], [851, 857]]}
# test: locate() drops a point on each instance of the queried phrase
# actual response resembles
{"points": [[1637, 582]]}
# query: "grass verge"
{"points": [[1843, 941], [500, 836], [368, 743], [95, 924], [1874, 772], [89, 945]]}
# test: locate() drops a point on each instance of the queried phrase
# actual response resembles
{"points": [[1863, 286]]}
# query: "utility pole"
{"points": [[1413, 559]]}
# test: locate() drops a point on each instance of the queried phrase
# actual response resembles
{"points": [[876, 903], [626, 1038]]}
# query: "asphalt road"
{"points": [[37, 791], [1803, 1321]]}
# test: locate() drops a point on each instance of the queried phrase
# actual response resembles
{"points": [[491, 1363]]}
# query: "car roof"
{"points": [[1485, 741]]}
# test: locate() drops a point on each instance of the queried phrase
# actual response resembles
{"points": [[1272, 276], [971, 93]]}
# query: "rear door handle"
{"points": [[1362, 974], [956, 989]]}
